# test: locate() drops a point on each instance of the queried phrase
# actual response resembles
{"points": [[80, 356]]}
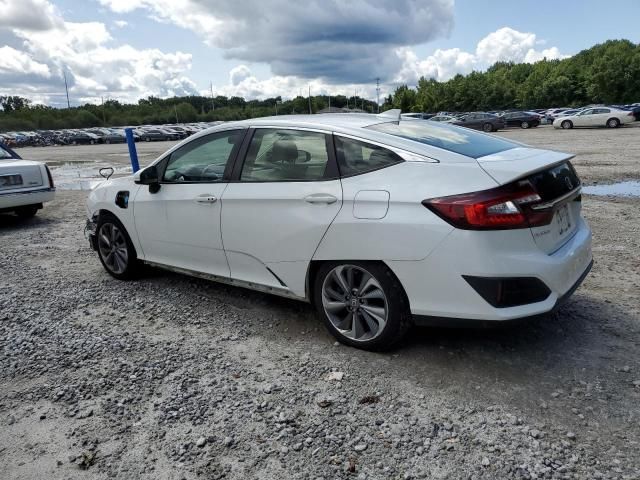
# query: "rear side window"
{"points": [[355, 157], [448, 137], [283, 155]]}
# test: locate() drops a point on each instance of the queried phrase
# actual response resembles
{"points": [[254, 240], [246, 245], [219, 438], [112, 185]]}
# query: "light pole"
{"points": [[277, 102]]}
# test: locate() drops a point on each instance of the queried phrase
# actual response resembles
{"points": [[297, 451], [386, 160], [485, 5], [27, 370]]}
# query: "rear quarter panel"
{"points": [[408, 230]]}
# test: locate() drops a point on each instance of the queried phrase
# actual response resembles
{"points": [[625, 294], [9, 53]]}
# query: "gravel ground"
{"points": [[170, 377]]}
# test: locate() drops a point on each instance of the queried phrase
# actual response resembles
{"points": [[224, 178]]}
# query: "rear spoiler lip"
{"points": [[487, 162]]}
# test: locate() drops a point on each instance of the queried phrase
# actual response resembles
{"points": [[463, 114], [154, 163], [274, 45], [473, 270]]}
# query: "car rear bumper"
{"points": [[11, 200], [436, 286]]}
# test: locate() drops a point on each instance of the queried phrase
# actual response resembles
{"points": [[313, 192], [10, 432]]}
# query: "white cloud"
{"points": [[29, 15], [121, 23], [17, 62], [95, 67], [505, 44]]}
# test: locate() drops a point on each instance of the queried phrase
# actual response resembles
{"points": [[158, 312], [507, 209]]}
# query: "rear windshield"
{"points": [[448, 137]]}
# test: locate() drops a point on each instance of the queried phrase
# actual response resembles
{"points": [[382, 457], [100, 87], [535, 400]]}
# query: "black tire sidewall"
{"points": [[615, 121], [399, 319], [487, 127], [133, 265]]}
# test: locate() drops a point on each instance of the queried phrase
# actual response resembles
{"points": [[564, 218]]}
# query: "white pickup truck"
{"points": [[24, 185]]}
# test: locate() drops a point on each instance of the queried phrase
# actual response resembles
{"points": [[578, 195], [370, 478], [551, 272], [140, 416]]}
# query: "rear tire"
{"points": [[487, 127], [613, 123], [362, 304], [567, 124], [28, 211], [525, 125], [115, 250]]}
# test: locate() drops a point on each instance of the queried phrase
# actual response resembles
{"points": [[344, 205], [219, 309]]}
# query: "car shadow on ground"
{"points": [[10, 222], [581, 327]]}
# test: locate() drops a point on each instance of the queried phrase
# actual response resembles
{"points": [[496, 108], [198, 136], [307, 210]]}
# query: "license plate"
{"points": [[10, 180], [563, 220]]}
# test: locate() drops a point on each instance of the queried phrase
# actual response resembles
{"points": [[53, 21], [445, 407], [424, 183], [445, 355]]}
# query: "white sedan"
{"points": [[24, 185], [380, 223], [595, 117]]}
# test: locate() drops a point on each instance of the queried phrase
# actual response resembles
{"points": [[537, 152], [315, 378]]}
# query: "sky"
{"points": [[129, 49]]}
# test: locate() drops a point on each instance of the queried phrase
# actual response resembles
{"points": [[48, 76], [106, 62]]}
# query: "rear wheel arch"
{"points": [[613, 122], [400, 319]]}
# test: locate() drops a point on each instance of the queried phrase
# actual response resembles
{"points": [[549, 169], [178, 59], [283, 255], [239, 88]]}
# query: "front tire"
{"points": [[115, 250], [567, 124], [487, 127], [613, 123], [362, 304]]}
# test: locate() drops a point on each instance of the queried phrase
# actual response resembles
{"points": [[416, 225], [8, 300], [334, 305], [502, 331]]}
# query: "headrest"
{"points": [[285, 151]]}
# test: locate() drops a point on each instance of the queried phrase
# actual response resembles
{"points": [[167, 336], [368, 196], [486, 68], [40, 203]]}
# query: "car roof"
{"points": [[350, 124]]}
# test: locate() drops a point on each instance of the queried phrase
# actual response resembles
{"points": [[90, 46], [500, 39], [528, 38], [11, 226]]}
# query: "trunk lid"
{"points": [[16, 175], [553, 178]]}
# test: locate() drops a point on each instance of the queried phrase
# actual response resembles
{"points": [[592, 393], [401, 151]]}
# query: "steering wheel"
{"points": [[204, 171]]}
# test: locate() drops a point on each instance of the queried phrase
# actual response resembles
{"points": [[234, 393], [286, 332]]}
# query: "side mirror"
{"points": [[149, 176]]}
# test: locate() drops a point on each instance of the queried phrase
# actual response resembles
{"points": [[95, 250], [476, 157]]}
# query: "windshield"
{"points": [[454, 139], [5, 152]]}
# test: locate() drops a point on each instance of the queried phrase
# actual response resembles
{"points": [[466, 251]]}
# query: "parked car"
{"points": [[442, 118], [419, 116], [487, 122], [521, 119], [114, 137], [379, 222], [595, 117], [24, 185], [156, 134], [82, 138]]}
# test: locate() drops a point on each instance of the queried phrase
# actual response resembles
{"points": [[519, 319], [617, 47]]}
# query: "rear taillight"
{"points": [[50, 177], [501, 208]]}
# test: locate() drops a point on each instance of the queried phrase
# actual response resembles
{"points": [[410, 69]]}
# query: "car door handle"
{"points": [[320, 198], [206, 198]]}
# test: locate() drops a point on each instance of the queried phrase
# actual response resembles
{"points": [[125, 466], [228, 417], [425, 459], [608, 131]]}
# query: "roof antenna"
{"points": [[393, 115]]}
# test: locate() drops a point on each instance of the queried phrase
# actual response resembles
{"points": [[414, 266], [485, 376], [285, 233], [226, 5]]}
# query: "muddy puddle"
{"points": [[82, 175], [620, 189]]}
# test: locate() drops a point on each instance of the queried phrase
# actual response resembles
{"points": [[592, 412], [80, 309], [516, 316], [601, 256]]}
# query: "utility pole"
{"points": [[104, 120], [175, 109], [66, 88], [378, 93], [310, 99], [329, 103], [213, 105]]}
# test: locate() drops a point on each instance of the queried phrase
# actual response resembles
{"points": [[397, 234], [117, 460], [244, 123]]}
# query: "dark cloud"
{"points": [[340, 41]]}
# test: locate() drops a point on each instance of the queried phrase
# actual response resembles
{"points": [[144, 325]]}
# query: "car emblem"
{"points": [[567, 180], [354, 302]]}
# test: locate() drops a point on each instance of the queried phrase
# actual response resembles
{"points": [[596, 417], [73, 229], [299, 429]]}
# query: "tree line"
{"points": [[18, 113], [605, 73]]}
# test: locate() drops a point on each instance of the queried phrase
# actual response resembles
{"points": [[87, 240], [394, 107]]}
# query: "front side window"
{"points": [[283, 155], [355, 157], [203, 159]]}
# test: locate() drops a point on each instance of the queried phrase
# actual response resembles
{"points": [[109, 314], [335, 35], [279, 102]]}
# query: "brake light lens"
{"points": [[50, 177], [506, 207]]}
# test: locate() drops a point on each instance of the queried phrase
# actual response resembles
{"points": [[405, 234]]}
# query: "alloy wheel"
{"points": [[112, 245], [355, 302]]}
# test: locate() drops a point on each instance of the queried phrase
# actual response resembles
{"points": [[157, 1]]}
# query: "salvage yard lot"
{"points": [[174, 377]]}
